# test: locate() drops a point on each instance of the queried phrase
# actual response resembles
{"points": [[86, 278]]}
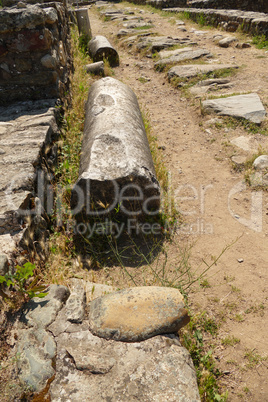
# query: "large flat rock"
{"points": [[191, 54], [247, 106], [94, 369], [136, 314], [194, 70], [157, 43]]}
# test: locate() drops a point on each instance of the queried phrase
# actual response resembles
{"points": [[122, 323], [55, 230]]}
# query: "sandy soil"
{"points": [[235, 293]]}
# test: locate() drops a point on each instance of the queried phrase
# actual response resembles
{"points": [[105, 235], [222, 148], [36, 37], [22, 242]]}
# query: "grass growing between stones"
{"points": [[261, 42]]}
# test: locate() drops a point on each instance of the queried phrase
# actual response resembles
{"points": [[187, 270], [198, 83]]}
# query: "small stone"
{"points": [[240, 260], [49, 61], [261, 162], [239, 160], [136, 314], [3, 264], [226, 42], [216, 38], [179, 22], [21, 4], [242, 45]]}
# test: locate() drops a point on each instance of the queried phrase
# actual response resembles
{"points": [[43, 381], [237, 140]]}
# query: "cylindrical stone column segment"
{"points": [[100, 48], [83, 22], [117, 174], [95, 68]]}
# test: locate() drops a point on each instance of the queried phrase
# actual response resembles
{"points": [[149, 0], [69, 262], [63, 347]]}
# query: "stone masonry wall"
{"points": [[247, 5], [230, 20], [34, 52]]}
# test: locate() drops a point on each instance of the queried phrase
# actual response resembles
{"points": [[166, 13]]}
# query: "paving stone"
{"points": [[194, 70], [35, 350], [157, 43], [138, 313], [168, 53], [184, 56], [42, 312], [247, 106], [91, 368]]}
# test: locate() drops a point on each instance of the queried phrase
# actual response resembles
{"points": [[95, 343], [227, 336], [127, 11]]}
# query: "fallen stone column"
{"points": [[83, 22], [116, 166], [95, 68], [100, 48]]}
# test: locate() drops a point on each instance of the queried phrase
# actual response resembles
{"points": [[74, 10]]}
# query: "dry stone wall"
{"points": [[34, 52], [247, 5], [230, 20]]}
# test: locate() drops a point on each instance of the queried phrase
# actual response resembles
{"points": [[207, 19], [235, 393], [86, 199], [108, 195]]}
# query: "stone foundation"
{"points": [[34, 53], [230, 20], [246, 5]]}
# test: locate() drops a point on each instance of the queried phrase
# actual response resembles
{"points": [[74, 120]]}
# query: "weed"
{"points": [[238, 318], [205, 284], [108, 71], [261, 42], [234, 289], [18, 282], [254, 358], [143, 80], [256, 309], [207, 373], [230, 341], [201, 20]]}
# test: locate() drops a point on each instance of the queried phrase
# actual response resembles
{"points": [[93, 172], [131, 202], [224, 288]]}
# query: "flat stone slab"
{"points": [[94, 369], [184, 56], [247, 106], [194, 70], [168, 53], [136, 314], [157, 43]]}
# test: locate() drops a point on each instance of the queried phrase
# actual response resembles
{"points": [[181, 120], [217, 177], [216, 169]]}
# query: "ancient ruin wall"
{"points": [[34, 52], [246, 5]]}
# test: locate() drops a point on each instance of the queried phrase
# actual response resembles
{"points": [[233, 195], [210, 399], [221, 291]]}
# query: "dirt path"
{"points": [[235, 292]]}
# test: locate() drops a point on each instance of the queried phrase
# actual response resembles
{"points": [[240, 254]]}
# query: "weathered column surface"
{"points": [[100, 48], [95, 68], [116, 166], [83, 22]]}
